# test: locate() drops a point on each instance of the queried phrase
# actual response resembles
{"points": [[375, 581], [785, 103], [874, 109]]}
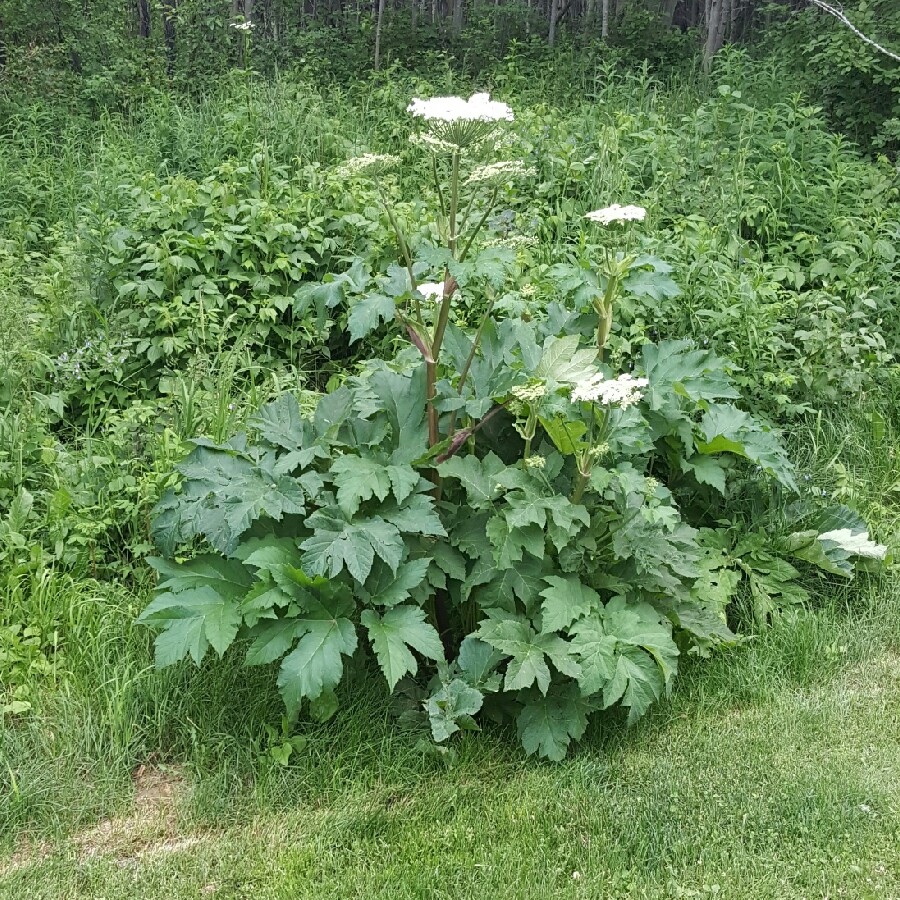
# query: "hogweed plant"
{"points": [[512, 528]]}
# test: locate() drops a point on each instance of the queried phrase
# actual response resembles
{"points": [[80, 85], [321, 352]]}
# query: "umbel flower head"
{"points": [[432, 290], [616, 213], [499, 171], [455, 124], [623, 391], [478, 108], [368, 164], [243, 26]]}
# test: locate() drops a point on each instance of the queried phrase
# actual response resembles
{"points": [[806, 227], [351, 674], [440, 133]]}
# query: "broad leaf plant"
{"points": [[507, 525]]}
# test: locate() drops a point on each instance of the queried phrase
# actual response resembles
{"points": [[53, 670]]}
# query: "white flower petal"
{"points": [[617, 213]]}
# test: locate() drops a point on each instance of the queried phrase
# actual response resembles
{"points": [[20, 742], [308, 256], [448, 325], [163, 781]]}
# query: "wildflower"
{"points": [[650, 485], [456, 125], [616, 213], [245, 27], [535, 462], [432, 290], [528, 393], [432, 142], [512, 242], [367, 164], [499, 171], [478, 108], [527, 290], [623, 391]]}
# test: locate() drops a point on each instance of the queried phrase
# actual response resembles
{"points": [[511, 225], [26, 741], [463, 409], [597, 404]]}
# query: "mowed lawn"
{"points": [[774, 772]]}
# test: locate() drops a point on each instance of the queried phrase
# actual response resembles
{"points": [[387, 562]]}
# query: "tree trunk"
{"points": [[378, 22], [169, 9], [604, 19], [715, 31], [143, 13], [459, 15], [554, 18], [667, 11]]}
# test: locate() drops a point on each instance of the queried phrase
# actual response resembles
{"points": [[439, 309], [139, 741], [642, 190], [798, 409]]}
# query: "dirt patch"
{"points": [[874, 677], [26, 854], [150, 827]]}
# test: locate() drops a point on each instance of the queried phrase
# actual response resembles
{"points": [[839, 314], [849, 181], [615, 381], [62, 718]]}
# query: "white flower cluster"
{"points": [[512, 242], [478, 108], [528, 393], [535, 462], [243, 26], [616, 213], [623, 391], [432, 290], [370, 163], [499, 171]]}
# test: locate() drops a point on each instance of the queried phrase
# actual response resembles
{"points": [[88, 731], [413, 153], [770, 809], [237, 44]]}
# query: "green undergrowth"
{"points": [[771, 771]]}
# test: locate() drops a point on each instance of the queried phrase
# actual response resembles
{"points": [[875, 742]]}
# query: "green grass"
{"points": [[773, 773]]}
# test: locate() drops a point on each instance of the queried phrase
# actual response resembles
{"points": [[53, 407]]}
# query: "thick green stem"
{"points": [[438, 188], [430, 391], [468, 364], [404, 247], [454, 202], [580, 485], [479, 226], [604, 326]]}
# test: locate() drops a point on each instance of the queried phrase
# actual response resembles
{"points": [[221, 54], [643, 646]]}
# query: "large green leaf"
{"points": [[636, 683], [359, 478], [281, 423], [478, 662], [402, 398], [501, 587], [510, 543], [639, 625], [270, 641], [391, 633], [385, 587], [726, 429], [565, 601], [367, 314], [835, 551], [547, 725], [514, 637], [452, 708], [228, 577], [674, 367], [477, 476], [223, 494], [417, 515], [315, 664], [193, 620], [337, 543], [563, 362], [595, 648]]}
